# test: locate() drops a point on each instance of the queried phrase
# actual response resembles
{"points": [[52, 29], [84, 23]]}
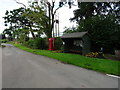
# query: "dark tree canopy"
{"points": [[102, 21], [89, 9]]}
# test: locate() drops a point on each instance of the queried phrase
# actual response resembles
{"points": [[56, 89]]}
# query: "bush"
{"points": [[38, 43], [58, 43], [43, 43], [29, 43], [46, 46], [23, 38], [3, 41]]}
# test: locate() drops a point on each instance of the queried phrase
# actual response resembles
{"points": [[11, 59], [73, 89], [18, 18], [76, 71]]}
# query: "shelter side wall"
{"points": [[86, 44]]}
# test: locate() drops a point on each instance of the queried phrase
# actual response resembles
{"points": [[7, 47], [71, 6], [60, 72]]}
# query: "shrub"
{"points": [[29, 43], [38, 43], [46, 42], [3, 41], [58, 43], [23, 38]]}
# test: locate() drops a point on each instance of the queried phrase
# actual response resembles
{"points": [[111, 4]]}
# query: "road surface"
{"points": [[0, 67], [21, 69]]}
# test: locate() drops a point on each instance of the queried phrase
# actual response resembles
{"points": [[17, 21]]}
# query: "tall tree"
{"points": [[47, 6], [52, 9], [102, 21], [36, 14], [104, 32], [16, 20], [89, 9]]}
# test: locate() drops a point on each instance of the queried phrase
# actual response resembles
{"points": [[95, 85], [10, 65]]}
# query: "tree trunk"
{"points": [[52, 24], [33, 35]]}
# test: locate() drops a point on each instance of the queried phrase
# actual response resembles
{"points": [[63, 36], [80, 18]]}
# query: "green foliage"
{"points": [[38, 43], [88, 9], [3, 40], [23, 38], [37, 15], [69, 30], [23, 35], [8, 32], [101, 20], [58, 43], [16, 21], [33, 17], [15, 18], [2, 36], [30, 43], [103, 31]]}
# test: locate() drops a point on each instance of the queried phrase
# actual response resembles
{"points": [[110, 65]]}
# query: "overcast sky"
{"points": [[64, 13]]}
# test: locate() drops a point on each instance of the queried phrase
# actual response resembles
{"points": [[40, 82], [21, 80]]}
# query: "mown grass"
{"points": [[100, 65]]}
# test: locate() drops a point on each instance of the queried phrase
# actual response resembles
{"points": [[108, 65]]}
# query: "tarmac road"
{"points": [[0, 68], [21, 69]]}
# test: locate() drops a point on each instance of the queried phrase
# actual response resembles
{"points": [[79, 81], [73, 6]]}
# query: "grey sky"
{"points": [[64, 13]]}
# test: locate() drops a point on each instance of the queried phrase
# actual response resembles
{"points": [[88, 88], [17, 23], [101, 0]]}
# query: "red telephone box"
{"points": [[51, 43]]}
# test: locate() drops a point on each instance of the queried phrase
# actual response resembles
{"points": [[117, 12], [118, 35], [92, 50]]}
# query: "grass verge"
{"points": [[100, 65]]}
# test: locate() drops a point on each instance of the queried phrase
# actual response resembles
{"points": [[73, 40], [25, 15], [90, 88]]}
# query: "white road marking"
{"points": [[112, 76]]}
